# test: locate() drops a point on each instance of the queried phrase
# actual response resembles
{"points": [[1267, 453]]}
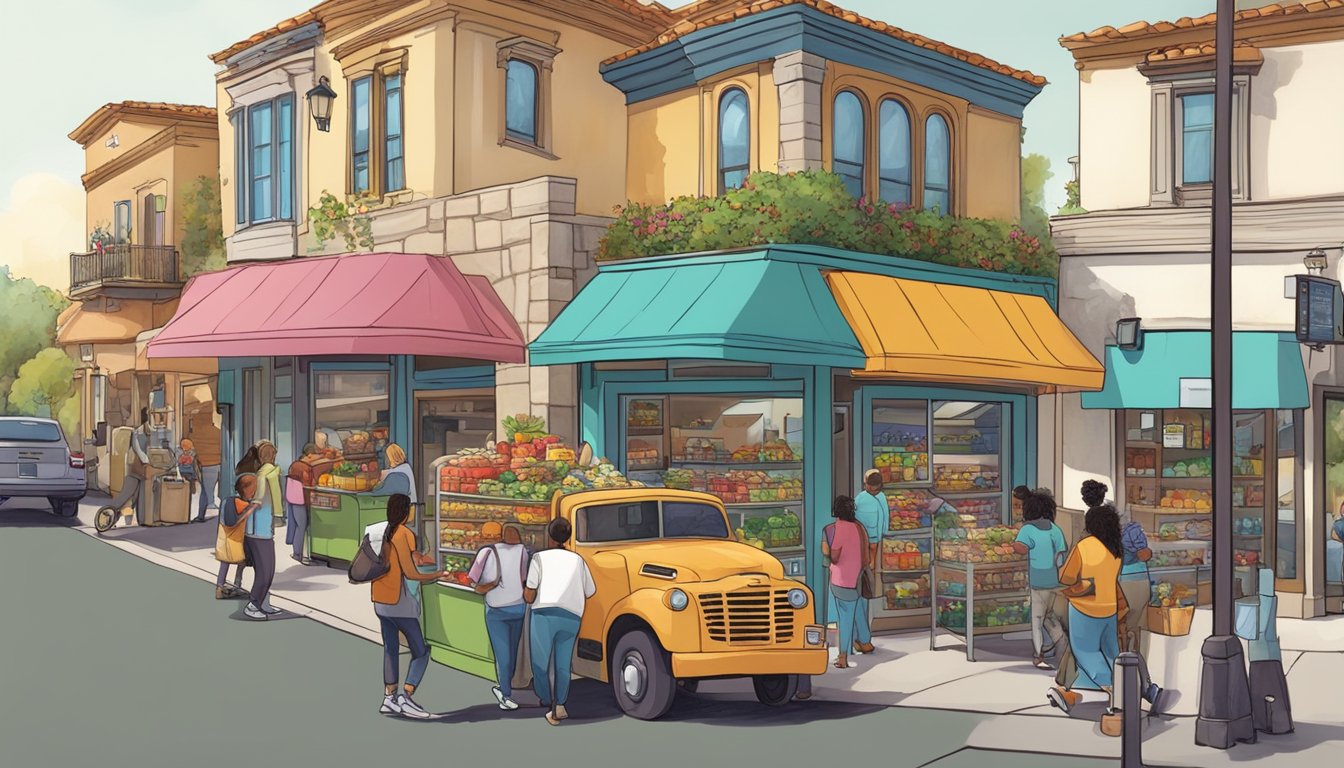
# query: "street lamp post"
{"points": [[1224, 691]]}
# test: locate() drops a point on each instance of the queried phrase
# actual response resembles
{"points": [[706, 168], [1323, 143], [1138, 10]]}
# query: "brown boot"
{"points": [[863, 647]]}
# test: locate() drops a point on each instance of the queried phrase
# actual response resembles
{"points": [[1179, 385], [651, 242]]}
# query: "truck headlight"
{"points": [[798, 598], [677, 600], [815, 636]]}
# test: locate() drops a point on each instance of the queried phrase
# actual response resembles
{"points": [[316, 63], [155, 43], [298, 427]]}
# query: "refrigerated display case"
{"points": [[995, 596], [746, 450]]}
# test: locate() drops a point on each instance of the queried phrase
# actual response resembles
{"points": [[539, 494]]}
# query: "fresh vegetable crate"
{"points": [[1172, 622]]}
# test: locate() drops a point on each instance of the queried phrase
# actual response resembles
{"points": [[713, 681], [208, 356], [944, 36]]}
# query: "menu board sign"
{"points": [[1320, 310], [1173, 435]]}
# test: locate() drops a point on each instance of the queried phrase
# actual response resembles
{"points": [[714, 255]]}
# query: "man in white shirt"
{"points": [[558, 586], [498, 573]]}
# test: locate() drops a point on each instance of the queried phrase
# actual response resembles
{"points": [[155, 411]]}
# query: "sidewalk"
{"points": [[904, 671]]}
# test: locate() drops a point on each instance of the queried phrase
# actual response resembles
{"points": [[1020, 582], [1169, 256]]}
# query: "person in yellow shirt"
{"points": [[1090, 577]]}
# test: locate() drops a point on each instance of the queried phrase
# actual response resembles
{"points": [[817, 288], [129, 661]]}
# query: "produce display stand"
{"points": [[994, 596], [336, 522]]}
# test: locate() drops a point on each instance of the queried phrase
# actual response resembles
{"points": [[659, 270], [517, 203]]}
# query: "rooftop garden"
{"points": [[814, 208]]}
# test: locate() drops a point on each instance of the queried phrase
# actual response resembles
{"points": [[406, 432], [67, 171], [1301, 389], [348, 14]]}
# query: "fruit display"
{"points": [[1169, 595], [902, 467], [960, 540], [1201, 501], [457, 567], [1200, 466], [1180, 556], [910, 508], [1248, 495], [774, 451], [685, 479], [351, 476], [900, 438], [503, 511], [907, 594], [952, 613], [1245, 557], [1248, 467], [904, 555], [756, 486], [1140, 462], [358, 443], [645, 413], [965, 477], [780, 529]]}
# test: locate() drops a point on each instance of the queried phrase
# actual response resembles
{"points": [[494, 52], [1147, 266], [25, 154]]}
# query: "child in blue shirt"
{"points": [[1043, 543]]}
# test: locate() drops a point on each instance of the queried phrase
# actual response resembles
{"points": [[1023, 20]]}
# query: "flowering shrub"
{"points": [[814, 208], [347, 219]]}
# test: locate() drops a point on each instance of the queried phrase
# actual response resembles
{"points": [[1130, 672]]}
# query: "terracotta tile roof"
{"points": [[94, 125], [735, 10], [294, 22], [1243, 52], [1141, 29]]}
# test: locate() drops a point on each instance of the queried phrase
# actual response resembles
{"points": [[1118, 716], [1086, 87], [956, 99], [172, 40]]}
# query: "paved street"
{"points": [[115, 660]]}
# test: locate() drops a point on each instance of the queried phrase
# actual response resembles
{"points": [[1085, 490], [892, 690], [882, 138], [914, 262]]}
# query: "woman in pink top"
{"points": [[846, 549]]}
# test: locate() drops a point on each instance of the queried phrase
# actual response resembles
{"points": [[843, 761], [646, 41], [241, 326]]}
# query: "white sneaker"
{"points": [[270, 610], [252, 612], [505, 703], [410, 709], [390, 705]]}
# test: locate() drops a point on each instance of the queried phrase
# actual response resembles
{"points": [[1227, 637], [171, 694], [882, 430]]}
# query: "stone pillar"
{"points": [[798, 76]]}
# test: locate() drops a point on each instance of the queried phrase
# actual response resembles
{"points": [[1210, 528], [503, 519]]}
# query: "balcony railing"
{"points": [[125, 266]]}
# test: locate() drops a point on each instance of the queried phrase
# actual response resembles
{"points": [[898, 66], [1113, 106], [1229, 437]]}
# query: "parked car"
{"points": [[36, 462]]}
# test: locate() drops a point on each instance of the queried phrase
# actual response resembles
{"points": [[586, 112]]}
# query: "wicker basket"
{"points": [[1172, 622]]}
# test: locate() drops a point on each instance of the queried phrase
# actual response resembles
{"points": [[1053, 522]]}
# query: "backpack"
{"points": [[366, 566]]}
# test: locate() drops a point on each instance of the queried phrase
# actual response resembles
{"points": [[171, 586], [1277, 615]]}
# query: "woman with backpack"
{"points": [[246, 467], [396, 602], [498, 573]]}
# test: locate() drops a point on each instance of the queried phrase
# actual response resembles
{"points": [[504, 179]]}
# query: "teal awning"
{"points": [[749, 309], [1266, 371]]}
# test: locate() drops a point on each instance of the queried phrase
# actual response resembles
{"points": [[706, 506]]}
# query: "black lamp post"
{"points": [[320, 98], [1224, 691]]}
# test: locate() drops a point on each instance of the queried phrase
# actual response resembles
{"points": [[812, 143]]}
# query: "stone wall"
{"points": [[536, 251], [798, 77]]}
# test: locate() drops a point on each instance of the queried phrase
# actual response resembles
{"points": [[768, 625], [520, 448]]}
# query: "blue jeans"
{"points": [[209, 479], [296, 528], [1095, 647], [553, 633], [505, 628], [848, 615], [415, 638], [863, 622]]}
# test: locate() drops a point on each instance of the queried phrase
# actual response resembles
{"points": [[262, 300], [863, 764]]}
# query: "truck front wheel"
{"points": [[775, 690], [641, 676]]}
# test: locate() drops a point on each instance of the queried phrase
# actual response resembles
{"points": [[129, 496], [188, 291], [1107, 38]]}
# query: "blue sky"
{"points": [[96, 51]]}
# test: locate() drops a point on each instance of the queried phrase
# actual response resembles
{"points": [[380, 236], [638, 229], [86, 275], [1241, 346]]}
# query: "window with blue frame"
{"points": [[377, 140], [360, 126], [264, 161], [734, 139], [847, 140], [520, 101], [937, 165], [1197, 138], [394, 174], [893, 154], [121, 222]]}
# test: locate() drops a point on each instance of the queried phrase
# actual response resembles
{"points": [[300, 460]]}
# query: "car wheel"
{"points": [[641, 676], [70, 508], [105, 518], [775, 690]]}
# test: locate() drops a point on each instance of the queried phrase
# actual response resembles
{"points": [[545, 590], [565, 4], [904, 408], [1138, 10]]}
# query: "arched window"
{"points": [[734, 139], [847, 141], [893, 153], [937, 165], [520, 101]]}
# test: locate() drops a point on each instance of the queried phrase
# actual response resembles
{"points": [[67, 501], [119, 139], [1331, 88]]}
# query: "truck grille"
{"points": [[748, 616]]}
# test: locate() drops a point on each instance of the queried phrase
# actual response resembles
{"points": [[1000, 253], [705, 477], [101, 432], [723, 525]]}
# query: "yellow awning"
{"points": [[203, 366], [935, 332], [88, 326]]}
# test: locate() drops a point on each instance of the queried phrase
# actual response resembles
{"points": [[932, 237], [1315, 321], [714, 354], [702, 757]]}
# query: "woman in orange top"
{"points": [[1091, 583], [396, 601]]}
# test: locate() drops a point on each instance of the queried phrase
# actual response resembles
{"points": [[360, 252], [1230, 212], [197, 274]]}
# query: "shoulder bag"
{"points": [[481, 589], [229, 537], [867, 577], [366, 566]]}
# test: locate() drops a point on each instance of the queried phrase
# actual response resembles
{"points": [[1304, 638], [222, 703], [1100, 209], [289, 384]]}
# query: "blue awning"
{"points": [[1266, 371], [748, 309]]}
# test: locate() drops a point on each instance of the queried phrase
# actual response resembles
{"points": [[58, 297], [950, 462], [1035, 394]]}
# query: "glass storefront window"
{"points": [[448, 423], [1285, 536], [1333, 432], [745, 449], [350, 416]]}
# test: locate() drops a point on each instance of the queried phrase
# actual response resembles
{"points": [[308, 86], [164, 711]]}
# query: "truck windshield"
{"points": [[29, 431], [640, 520]]}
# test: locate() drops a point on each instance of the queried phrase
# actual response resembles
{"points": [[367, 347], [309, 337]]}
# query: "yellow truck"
{"points": [[679, 600]]}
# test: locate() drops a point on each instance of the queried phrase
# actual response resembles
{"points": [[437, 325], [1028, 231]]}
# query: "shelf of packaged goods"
{"points": [[952, 457], [985, 595], [897, 449], [1177, 543], [765, 504], [1187, 449], [1196, 480], [1249, 478], [965, 494], [1133, 476], [758, 466], [644, 466], [959, 566], [905, 572], [1176, 568], [1248, 535], [643, 430], [1169, 510], [1142, 444]]}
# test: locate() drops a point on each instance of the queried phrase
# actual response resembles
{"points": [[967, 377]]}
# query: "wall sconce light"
{"points": [[1128, 333], [1316, 261], [320, 97]]}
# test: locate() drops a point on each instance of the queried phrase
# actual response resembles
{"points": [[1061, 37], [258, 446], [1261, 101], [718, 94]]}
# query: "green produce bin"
{"points": [[454, 623], [336, 522]]}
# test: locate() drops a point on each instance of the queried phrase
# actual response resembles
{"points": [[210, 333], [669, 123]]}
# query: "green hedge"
{"points": [[814, 208]]}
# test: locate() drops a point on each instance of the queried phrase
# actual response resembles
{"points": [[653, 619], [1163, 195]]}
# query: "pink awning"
{"points": [[353, 304]]}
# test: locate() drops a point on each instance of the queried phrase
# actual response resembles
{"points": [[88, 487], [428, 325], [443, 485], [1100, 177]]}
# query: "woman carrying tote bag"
{"points": [[229, 538], [846, 549]]}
